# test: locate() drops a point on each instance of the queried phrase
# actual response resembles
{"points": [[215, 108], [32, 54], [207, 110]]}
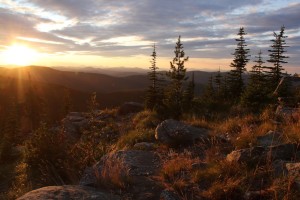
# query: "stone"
{"points": [[130, 107], [252, 155], [269, 139], [260, 154], [168, 195], [279, 168], [68, 192], [73, 123], [138, 163], [286, 152], [172, 132], [144, 146]]}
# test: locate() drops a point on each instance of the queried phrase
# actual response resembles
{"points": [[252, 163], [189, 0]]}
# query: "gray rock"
{"points": [[138, 163], [168, 195], [269, 139], [130, 107], [260, 154], [250, 155], [279, 168], [72, 124], [172, 132], [144, 146], [68, 192], [286, 152]]}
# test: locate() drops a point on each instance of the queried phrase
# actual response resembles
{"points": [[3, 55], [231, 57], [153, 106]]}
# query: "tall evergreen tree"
{"points": [[256, 94], [235, 78], [177, 75], [153, 96], [277, 58]]}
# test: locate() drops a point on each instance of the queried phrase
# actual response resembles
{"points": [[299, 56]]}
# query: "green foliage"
{"points": [[154, 93], [235, 78], [11, 133], [46, 151], [135, 136], [189, 95], [257, 94], [277, 58], [146, 120], [177, 75]]}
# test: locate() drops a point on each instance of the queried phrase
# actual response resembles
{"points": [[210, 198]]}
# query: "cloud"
{"points": [[129, 27]]}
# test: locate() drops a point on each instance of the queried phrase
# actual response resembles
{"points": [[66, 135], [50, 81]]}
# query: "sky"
{"points": [[121, 33]]}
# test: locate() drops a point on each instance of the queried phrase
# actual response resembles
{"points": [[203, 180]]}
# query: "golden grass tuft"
{"points": [[114, 174]]}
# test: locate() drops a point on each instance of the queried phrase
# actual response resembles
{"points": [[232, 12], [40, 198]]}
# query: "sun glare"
{"points": [[19, 55]]}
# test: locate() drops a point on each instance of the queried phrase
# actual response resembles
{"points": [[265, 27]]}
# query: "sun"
{"points": [[19, 55]]}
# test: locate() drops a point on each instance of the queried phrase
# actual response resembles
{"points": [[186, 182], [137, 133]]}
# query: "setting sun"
{"points": [[19, 55]]}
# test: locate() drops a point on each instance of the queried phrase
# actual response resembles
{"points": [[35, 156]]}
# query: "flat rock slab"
{"points": [[68, 192], [269, 139], [138, 163], [173, 132]]}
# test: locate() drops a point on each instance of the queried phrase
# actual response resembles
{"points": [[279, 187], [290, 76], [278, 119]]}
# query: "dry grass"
{"points": [[145, 120], [114, 174], [135, 136], [21, 183]]}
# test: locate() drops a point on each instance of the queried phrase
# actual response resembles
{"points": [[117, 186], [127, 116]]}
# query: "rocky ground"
{"points": [[184, 160]]}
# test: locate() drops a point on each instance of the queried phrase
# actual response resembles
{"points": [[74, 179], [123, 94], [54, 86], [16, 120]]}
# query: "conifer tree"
{"points": [[153, 96], [218, 83], [189, 93], [235, 78], [177, 75], [277, 58], [256, 93]]}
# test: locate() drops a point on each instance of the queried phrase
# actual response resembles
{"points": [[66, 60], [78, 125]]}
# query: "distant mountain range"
{"points": [[114, 71]]}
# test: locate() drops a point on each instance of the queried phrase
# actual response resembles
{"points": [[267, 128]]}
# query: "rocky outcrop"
{"points": [[72, 124], [269, 139], [68, 192], [260, 154], [172, 132], [168, 195], [132, 167], [249, 155], [138, 163], [130, 107]]}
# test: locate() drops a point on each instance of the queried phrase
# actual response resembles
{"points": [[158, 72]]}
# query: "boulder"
{"points": [[138, 163], [130, 107], [72, 124], [269, 139], [68, 192], [288, 152], [168, 195], [252, 155], [172, 132]]}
